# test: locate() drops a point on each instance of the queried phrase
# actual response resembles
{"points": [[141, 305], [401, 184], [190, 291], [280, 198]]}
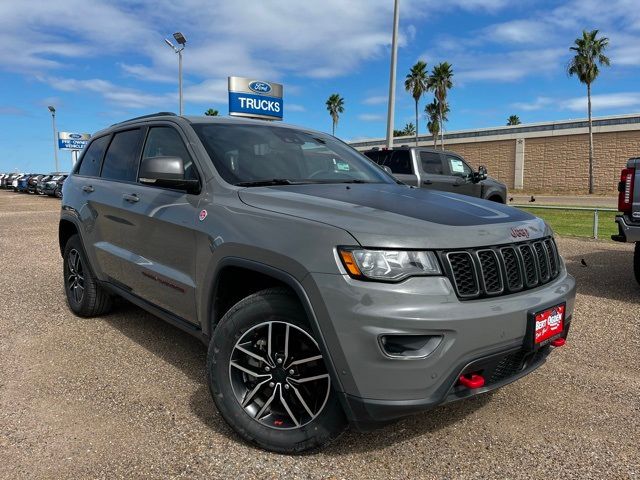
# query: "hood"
{"points": [[395, 216]]}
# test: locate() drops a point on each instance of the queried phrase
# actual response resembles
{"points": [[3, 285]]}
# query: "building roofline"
{"points": [[511, 131]]}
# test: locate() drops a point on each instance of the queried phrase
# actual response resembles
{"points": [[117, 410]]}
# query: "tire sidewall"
{"points": [[256, 309], [636, 262]]}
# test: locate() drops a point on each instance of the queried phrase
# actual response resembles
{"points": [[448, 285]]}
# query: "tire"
{"points": [[285, 426], [85, 296], [636, 262], [57, 192]]}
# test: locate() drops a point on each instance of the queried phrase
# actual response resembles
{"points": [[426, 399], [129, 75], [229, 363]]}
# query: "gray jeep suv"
{"points": [[434, 169], [327, 293]]}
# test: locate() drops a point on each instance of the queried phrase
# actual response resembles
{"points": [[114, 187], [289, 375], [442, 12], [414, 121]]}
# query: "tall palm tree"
{"points": [[589, 55], [212, 112], [335, 106], [432, 112], [513, 120], [416, 84], [440, 83]]}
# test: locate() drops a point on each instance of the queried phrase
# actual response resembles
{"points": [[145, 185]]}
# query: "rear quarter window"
{"points": [[92, 158]]}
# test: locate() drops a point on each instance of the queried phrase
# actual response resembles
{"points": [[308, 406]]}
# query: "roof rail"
{"points": [[158, 114]]}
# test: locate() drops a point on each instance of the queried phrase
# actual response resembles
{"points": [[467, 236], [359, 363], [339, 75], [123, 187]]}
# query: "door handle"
{"points": [[88, 188], [131, 198], [427, 182]]}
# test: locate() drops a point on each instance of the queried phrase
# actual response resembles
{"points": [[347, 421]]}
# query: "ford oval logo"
{"points": [[75, 136], [260, 87]]}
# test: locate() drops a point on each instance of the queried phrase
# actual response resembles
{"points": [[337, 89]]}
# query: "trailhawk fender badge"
{"points": [[203, 215], [520, 232]]}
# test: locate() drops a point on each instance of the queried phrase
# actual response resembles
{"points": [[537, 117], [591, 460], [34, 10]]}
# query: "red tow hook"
{"points": [[558, 342], [472, 380]]}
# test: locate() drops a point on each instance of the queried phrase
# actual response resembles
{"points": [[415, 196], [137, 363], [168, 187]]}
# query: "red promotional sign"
{"points": [[549, 323]]}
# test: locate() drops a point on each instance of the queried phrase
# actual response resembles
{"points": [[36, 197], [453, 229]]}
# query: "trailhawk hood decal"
{"points": [[394, 216]]}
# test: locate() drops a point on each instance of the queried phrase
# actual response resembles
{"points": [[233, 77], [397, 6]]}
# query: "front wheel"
{"points": [[636, 262], [268, 377]]}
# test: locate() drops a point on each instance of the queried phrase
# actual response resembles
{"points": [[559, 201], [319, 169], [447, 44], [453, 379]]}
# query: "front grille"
{"points": [[501, 270]]}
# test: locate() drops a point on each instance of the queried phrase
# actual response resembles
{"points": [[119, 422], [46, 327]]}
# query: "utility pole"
{"points": [[392, 73], [182, 41]]}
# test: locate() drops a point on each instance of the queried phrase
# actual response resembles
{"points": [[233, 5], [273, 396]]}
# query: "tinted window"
{"points": [[121, 160], [90, 163], [399, 162], [431, 163], [458, 167], [249, 152], [166, 142], [375, 156]]}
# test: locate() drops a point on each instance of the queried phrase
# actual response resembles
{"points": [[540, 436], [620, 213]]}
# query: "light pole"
{"points": [[392, 74], [55, 139], [179, 37]]}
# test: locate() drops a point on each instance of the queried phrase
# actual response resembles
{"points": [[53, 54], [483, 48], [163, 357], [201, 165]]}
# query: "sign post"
{"points": [[255, 98]]}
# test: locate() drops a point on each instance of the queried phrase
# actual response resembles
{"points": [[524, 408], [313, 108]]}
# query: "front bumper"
{"points": [[627, 232], [378, 388]]}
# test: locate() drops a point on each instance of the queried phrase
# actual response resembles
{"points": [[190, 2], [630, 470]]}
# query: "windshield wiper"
{"points": [[263, 183], [352, 180]]}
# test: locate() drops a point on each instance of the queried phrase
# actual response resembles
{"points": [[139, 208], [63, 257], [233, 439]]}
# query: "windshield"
{"points": [[245, 154]]}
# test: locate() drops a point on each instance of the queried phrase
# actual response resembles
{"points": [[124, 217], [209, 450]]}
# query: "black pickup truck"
{"points": [[438, 170], [629, 207]]}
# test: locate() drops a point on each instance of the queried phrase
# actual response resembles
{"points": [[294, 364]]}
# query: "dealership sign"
{"points": [[72, 141], [255, 98]]}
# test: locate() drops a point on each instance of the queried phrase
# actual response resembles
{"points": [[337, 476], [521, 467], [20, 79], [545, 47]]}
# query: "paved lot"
{"points": [[124, 396]]}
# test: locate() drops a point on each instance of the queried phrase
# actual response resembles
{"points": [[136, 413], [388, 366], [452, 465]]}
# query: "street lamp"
{"points": [[179, 37], [55, 139], [392, 74]]}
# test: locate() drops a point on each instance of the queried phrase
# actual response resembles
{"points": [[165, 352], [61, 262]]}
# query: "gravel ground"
{"points": [[124, 396]]}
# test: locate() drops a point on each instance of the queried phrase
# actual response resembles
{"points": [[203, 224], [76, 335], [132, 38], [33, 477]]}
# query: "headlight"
{"points": [[388, 265]]}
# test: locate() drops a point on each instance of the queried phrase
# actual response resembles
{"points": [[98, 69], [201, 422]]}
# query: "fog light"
{"points": [[409, 346]]}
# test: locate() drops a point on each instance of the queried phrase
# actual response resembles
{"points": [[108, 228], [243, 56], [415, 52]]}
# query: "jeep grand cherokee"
{"points": [[327, 293]]}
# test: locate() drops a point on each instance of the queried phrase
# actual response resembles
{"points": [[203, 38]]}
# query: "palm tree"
{"points": [[410, 129], [211, 112], [589, 53], [335, 106], [416, 84], [432, 112], [513, 120], [440, 83]]}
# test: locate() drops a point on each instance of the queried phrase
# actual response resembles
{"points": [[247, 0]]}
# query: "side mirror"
{"points": [[388, 170], [481, 174], [167, 172]]}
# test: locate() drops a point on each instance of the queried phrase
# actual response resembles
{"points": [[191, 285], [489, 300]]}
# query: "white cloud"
{"points": [[538, 104], [294, 107], [517, 31], [371, 117], [606, 101], [375, 100]]}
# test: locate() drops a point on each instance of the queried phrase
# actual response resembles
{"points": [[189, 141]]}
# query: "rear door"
{"points": [[401, 165], [435, 173]]}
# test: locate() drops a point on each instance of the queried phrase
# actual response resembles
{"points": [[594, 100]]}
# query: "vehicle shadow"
{"points": [[605, 273], [188, 354]]}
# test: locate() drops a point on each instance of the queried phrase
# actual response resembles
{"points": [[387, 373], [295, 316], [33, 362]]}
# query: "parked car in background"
{"points": [[53, 186], [7, 181], [40, 184], [22, 184], [439, 170], [32, 183], [629, 207]]}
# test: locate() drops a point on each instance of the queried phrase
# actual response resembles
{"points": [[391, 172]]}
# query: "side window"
{"points": [[121, 160], [399, 162], [458, 167], [166, 142], [92, 158], [431, 163]]}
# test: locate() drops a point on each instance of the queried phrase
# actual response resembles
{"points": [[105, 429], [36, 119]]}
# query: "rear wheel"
{"points": [[58, 192], [85, 296], [268, 377], [636, 262]]}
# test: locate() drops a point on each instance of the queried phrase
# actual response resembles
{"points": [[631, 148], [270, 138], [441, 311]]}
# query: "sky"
{"points": [[103, 61]]}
